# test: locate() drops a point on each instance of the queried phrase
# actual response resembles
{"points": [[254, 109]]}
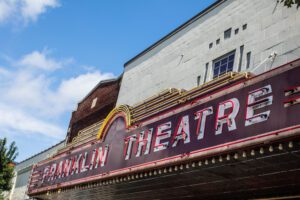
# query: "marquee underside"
{"points": [[265, 171]]}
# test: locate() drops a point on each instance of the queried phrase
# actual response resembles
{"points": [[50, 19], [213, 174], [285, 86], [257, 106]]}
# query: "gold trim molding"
{"points": [[166, 99], [122, 110]]}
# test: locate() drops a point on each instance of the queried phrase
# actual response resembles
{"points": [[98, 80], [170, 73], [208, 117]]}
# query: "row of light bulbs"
{"points": [[175, 168]]}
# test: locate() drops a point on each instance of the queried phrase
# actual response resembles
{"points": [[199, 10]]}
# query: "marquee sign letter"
{"points": [[46, 173], [182, 131], [228, 118], [201, 117], [84, 166], [162, 133], [128, 146], [144, 140], [101, 156], [67, 167], [254, 104]]}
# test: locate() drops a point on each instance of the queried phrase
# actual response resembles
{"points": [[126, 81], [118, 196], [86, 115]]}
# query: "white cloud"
{"points": [[27, 90], [6, 9], [3, 72], [20, 121], [40, 60], [24, 10], [72, 90], [35, 101], [31, 9], [77, 87]]}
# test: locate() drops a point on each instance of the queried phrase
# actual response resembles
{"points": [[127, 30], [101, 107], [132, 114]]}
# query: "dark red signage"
{"points": [[249, 110]]}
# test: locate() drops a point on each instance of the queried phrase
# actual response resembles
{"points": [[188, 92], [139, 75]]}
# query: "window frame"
{"points": [[227, 33], [236, 31], [223, 61], [248, 59]]}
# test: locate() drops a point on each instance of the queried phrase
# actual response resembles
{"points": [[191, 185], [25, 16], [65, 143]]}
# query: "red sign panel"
{"points": [[256, 108]]}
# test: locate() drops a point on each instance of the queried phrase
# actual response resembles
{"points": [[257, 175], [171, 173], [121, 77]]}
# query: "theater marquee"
{"points": [[254, 109]]}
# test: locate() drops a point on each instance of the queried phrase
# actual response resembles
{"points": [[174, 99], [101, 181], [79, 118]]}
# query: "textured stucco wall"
{"points": [[178, 61]]}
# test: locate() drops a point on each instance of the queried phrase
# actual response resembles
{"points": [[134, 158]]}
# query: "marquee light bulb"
{"points": [[176, 168], [199, 163], [244, 154], [193, 164], [261, 150], [220, 159], [236, 156], [271, 148], [228, 157]]}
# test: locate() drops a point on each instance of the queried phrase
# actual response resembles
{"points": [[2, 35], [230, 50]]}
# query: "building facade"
{"points": [[23, 171], [221, 140], [209, 111], [251, 31]]}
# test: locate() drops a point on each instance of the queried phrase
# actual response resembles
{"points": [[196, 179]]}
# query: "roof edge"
{"points": [[34, 155], [181, 27], [99, 84]]}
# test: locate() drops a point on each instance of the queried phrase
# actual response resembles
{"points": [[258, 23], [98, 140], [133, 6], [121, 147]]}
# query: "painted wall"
{"points": [[178, 61]]}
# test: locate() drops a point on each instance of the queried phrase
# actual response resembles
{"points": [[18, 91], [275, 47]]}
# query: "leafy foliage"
{"points": [[290, 3], [7, 157]]}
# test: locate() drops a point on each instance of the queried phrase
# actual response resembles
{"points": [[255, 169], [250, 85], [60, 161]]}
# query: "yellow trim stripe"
{"points": [[122, 108]]}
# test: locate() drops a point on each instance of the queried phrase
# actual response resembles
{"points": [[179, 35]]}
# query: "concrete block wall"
{"points": [[179, 60]]}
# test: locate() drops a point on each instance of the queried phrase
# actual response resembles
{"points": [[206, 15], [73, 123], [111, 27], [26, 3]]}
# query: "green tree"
{"points": [[290, 3], [7, 158]]}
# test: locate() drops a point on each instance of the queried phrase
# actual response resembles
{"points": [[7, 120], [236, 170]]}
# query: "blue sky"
{"points": [[52, 52]]}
